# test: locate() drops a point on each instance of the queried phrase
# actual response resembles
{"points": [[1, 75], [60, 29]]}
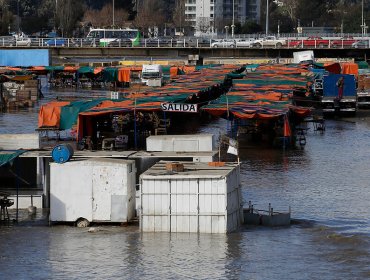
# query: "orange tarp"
{"points": [[350, 68], [287, 131], [70, 68], [49, 114], [188, 69], [97, 70], [38, 68], [124, 75], [173, 71]]}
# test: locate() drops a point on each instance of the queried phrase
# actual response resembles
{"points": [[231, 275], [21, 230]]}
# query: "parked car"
{"points": [[269, 41], [22, 40], [157, 42], [244, 43], [314, 42], [224, 43], [343, 42], [7, 41], [294, 43], [193, 42], [62, 42], [361, 44], [56, 42]]}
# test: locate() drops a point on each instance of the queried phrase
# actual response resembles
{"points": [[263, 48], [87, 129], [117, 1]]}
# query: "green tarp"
{"points": [[85, 69], [69, 113], [362, 65], [54, 68], [8, 156], [110, 74]]}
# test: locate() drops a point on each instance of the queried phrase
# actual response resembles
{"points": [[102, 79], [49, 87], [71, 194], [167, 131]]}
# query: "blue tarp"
{"points": [[331, 89]]}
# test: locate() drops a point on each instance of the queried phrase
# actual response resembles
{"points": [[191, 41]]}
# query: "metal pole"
{"points": [[267, 17], [233, 22], [18, 23], [17, 187], [56, 14], [362, 17], [113, 13]]}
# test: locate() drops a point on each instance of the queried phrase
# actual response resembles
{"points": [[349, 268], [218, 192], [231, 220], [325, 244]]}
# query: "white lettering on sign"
{"points": [[179, 107]]}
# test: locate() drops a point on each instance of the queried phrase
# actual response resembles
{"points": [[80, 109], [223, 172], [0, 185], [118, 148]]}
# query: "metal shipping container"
{"points": [[202, 199], [99, 190]]}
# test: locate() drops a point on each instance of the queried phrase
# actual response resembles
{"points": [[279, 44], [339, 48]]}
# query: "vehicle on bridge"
{"points": [[362, 44], [61, 42], [113, 37], [15, 39], [22, 40], [269, 41], [343, 42], [201, 42], [224, 43], [244, 43], [314, 42]]}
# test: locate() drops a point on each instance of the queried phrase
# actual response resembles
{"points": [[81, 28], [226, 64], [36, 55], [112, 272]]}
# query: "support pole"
{"points": [[267, 17]]}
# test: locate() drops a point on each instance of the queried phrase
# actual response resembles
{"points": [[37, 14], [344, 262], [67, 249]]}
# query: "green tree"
{"points": [[250, 27]]}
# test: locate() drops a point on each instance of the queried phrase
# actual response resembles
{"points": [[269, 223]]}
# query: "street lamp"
{"points": [[267, 17], [363, 24], [113, 13], [55, 17], [233, 21], [226, 29]]}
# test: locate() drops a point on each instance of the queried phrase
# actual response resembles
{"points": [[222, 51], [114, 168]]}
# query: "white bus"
{"points": [[104, 37]]}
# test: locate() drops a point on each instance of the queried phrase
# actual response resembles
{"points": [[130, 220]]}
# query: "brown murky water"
{"points": [[327, 184]]}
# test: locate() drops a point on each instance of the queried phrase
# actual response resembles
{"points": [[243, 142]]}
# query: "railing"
{"points": [[236, 42]]}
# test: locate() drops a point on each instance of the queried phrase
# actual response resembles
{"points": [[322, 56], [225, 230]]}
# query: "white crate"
{"points": [[201, 199]]}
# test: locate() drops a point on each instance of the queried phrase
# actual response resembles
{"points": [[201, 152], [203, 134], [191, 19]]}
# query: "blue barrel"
{"points": [[62, 153]]}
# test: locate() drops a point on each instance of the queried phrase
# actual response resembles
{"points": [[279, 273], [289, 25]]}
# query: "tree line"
{"points": [[74, 17]]}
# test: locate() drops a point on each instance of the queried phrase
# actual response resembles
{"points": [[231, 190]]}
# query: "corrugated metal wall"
{"points": [[25, 58], [211, 205]]}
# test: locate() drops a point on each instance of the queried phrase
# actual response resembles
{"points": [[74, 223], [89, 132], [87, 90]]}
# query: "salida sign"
{"points": [[179, 107]]}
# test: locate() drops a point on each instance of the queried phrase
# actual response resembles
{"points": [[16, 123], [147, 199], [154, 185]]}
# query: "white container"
{"points": [[303, 56], [98, 190], [115, 95], [201, 199], [19, 141], [180, 143], [155, 82]]}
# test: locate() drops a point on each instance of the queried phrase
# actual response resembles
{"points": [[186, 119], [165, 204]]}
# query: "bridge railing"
{"points": [[191, 42]]}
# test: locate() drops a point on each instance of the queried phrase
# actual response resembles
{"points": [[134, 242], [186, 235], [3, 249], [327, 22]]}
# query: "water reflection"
{"points": [[327, 183]]}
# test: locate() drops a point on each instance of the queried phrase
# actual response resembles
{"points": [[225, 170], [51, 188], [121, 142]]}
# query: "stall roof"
{"points": [[8, 156]]}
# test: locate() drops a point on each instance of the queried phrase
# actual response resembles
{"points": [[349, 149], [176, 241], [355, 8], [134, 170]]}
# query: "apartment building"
{"points": [[210, 16]]}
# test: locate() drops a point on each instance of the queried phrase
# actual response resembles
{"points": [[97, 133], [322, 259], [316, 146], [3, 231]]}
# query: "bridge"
{"points": [[68, 48]]}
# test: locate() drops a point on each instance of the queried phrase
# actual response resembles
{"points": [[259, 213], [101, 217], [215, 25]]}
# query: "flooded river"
{"points": [[327, 185]]}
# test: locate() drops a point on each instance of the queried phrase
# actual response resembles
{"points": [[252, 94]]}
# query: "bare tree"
{"points": [[203, 24], [103, 17], [178, 16], [67, 14], [290, 8], [150, 14], [5, 17]]}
